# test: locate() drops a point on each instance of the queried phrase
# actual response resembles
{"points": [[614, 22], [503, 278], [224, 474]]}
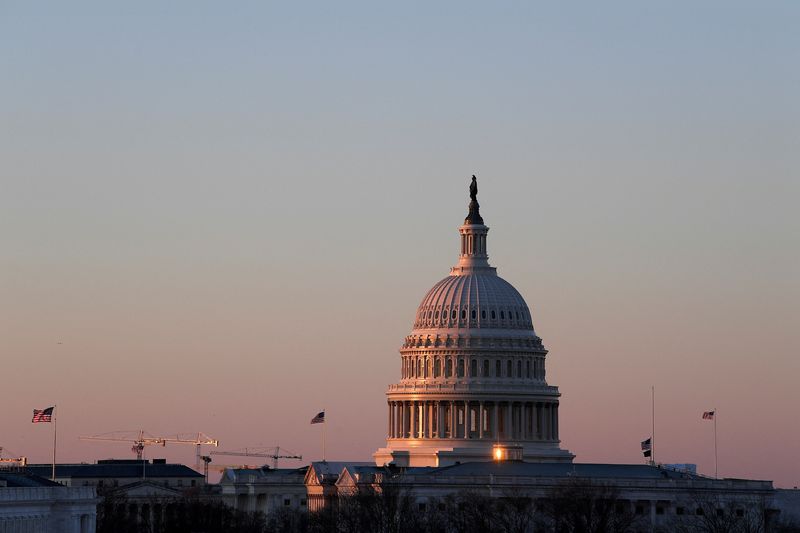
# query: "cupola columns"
{"points": [[473, 247]]}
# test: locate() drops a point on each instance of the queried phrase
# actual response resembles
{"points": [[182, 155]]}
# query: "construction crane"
{"points": [[18, 461], [272, 453], [141, 438]]}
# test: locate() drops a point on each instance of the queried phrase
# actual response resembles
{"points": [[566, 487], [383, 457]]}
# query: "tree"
{"points": [[582, 506]]}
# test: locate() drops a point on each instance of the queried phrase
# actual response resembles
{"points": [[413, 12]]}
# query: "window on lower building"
{"points": [[287, 501], [194, 482], [303, 502], [740, 513], [422, 506], [699, 511], [659, 510], [720, 512], [679, 510], [640, 509]]}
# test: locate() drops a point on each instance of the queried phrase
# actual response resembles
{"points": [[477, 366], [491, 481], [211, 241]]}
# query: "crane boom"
{"points": [[272, 453], [141, 438]]}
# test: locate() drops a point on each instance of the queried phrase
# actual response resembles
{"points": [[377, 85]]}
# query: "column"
{"points": [[412, 419], [398, 419], [453, 419], [481, 414], [509, 424], [538, 417], [437, 405], [391, 411], [526, 421], [495, 422], [555, 421], [423, 418], [467, 419]]}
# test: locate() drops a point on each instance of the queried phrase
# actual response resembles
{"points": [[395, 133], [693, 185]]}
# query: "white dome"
{"points": [[473, 300]]}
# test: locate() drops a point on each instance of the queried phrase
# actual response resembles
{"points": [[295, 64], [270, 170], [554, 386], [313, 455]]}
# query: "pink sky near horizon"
{"points": [[228, 235]]}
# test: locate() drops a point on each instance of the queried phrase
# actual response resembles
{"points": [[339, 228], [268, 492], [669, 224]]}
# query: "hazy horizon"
{"points": [[223, 220]]}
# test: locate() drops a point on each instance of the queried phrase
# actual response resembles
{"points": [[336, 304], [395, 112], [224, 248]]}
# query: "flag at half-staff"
{"points": [[647, 447], [320, 419], [712, 415], [43, 415]]}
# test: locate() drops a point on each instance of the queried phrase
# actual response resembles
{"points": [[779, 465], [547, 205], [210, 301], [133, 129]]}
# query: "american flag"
{"points": [[708, 415], [647, 444], [43, 415], [319, 419]]}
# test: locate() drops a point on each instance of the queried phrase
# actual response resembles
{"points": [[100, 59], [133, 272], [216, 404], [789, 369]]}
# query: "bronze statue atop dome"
{"points": [[474, 216], [473, 189]]}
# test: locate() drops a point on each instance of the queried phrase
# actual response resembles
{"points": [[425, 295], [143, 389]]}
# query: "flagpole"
{"points": [[324, 424], [716, 466], [653, 419], [55, 433]]}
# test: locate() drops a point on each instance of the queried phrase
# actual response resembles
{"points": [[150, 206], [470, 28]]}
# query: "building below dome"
{"points": [[472, 370]]}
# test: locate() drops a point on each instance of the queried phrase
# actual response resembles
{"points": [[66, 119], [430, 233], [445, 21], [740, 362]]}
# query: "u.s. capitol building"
{"points": [[473, 381]]}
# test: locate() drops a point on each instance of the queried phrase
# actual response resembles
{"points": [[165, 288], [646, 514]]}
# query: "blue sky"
{"points": [[256, 196]]}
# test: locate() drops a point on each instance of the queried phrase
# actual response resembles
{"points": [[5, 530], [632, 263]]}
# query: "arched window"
{"points": [[509, 369], [519, 369], [448, 367], [463, 314], [483, 314], [493, 315], [485, 368], [474, 314], [436, 314], [437, 368], [473, 368], [498, 369], [517, 315], [419, 368], [502, 315], [460, 367], [453, 314], [528, 369]]}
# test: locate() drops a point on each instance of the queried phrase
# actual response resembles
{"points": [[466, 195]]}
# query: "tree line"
{"points": [[575, 506]]}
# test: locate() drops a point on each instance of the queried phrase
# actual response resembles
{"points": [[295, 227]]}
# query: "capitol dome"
{"points": [[472, 370]]}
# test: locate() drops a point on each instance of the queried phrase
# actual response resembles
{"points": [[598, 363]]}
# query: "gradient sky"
{"points": [[221, 218]]}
